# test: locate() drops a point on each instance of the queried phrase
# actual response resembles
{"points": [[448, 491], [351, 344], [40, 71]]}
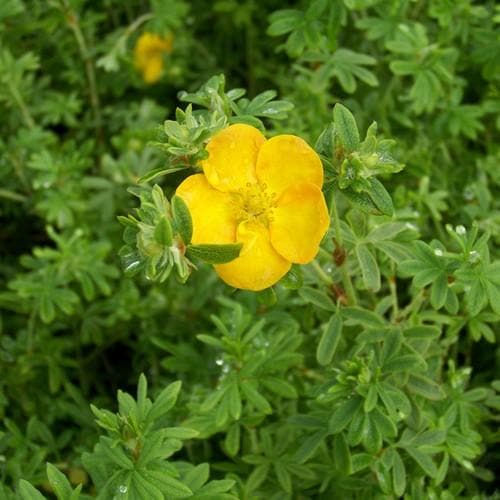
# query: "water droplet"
{"points": [[438, 252], [460, 230], [122, 489], [225, 369], [132, 265], [411, 226], [474, 256], [219, 362]]}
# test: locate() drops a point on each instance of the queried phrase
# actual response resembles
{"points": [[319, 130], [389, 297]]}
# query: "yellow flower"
{"points": [[148, 55], [263, 193]]}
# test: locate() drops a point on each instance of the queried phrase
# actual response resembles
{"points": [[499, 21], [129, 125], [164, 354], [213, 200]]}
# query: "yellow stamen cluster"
{"points": [[254, 203]]}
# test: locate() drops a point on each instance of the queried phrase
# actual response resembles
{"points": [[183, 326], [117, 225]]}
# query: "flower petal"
{"points": [[212, 212], [232, 157], [287, 159], [299, 222], [152, 69], [258, 266]]}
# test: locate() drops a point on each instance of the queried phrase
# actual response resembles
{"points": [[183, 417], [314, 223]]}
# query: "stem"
{"points": [[28, 119], [394, 292], [31, 331], [4, 193], [346, 278], [439, 229], [321, 273], [414, 305], [140, 20], [73, 23]]}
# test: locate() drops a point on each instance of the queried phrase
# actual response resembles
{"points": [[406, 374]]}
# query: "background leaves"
{"points": [[369, 373]]}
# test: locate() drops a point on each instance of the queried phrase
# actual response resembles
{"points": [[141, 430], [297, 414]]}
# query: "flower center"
{"points": [[254, 203]]}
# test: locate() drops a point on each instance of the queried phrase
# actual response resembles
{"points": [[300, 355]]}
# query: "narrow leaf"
{"points": [[183, 222], [215, 254], [329, 340], [346, 128]]}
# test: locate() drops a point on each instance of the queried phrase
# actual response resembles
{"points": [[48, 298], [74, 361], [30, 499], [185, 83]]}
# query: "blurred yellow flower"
{"points": [[148, 55], [263, 193]]}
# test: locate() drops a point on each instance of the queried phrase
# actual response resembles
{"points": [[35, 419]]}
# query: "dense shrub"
{"points": [[366, 373]]}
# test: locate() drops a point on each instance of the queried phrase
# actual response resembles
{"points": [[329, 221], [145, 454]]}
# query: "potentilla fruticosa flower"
{"points": [[265, 194], [148, 55]]}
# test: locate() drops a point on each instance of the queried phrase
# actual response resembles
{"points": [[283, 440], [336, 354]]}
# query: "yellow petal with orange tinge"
{"points": [[211, 210], [232, 154], [258, 266], [285, 160], [299, 222]]}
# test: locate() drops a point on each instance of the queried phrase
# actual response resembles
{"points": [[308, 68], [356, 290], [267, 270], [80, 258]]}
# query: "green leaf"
{"points": [[141, 487], [439, 291], [183, 223], [257, 476], [283, 477], [371, 399], [163, 232], [392, 344], [380, 197], [280, 387], [165, 401], [59, 482], [215, 254], [284, 21], [404, 363], [398, 475], [254, 397], [309, 446], [329, 340], [363, 317], [423, 460], [169, 486], [341, 454], [318, 298], [372, 436], [342, 415], [234, 400], [293, 279], [267, 296], [425, 387], [157, 172], [232, 440], [29, 492], [384, 424], [346, 128], [362, 200], [369, 267], [180, 433], [422, 332]]}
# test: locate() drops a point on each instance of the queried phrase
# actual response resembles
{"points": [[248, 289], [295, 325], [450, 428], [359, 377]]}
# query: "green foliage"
{"points": [[369, 373]]}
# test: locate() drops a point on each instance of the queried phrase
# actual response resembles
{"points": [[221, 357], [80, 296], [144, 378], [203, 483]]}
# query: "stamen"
{"points": [[254, 203]]}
